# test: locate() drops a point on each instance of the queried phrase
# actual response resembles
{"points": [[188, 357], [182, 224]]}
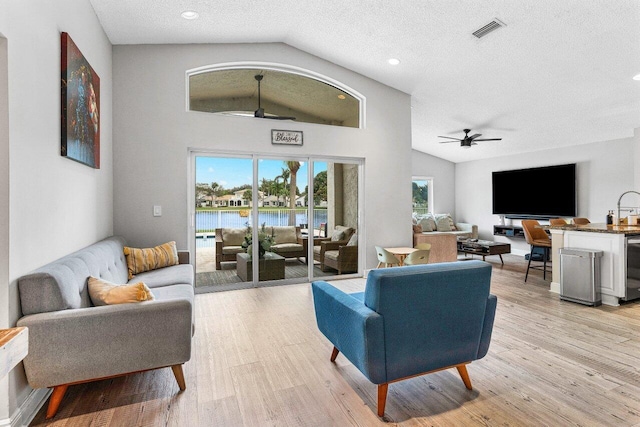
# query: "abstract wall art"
{"points": [[80, 113]]}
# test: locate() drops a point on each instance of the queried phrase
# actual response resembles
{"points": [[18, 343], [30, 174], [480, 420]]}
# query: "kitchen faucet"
{"points": [[630, 191]]}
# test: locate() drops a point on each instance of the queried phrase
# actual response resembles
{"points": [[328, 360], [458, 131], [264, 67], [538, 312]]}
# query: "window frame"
{"points": [[429, 182], [285, 68]]}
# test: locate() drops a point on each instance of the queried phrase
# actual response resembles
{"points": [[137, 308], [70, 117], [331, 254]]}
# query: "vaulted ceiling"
{"points": [[558, 73]]}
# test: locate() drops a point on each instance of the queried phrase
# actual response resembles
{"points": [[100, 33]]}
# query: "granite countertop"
{"points": [[598, 228]]}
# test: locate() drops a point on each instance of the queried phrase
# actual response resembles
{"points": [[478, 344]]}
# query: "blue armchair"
{"points": [[410, 321]]}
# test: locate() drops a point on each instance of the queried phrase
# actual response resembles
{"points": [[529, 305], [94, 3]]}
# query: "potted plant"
{"points": [[265, 240]]}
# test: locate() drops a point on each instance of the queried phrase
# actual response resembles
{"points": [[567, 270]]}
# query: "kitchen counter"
{"points": [[627, 230], [611, 240]]}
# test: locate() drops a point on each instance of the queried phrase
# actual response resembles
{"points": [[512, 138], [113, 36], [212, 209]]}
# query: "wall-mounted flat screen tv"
{"points": [[544, 192]]}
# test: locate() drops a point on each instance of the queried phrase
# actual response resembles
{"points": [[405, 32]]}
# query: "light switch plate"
{"points": [[157, 210]]}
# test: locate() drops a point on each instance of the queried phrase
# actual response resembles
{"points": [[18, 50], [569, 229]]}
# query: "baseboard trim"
{"points": [[555, 288], [28, 410]]}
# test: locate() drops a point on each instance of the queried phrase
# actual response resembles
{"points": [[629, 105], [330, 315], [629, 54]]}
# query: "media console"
{"points": [[508, 231]]}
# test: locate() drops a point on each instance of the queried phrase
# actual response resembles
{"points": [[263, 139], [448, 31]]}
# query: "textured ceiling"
{"points": [[558, 74]]}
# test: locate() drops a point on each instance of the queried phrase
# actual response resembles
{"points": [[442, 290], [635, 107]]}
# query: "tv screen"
{"points": [[543, 192]]}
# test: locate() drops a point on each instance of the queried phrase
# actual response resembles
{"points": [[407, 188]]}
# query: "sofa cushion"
{"points": [[233, 236], [103, 292], [286, 248], [331, 255], [284, 234], [176, 274], [230, 250], [444, 222], [427, 222], [353, 241], [141, 260], [348, 231], [337, 235]]}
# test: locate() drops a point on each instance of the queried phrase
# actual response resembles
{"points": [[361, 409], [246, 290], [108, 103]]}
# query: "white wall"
{"points": [[4, 214], [604, 171], [153, 131], [444, 183], [55, 205]]}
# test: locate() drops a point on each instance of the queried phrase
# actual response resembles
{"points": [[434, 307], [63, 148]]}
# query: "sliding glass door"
{"points": [[259, 220], [222, 219]]}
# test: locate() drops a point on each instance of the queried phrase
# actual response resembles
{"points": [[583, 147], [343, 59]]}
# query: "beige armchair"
{"points": [[229, 244], [341, 257], [339, 237]]}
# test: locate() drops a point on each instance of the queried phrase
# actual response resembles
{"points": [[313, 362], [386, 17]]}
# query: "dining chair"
{"points": [[385, 257], [536, 237], [581, 221], [421, 256], [423, 246], [557, 221]]}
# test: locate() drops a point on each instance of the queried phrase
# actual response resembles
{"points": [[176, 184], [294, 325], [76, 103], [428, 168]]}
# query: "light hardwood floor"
{"points": [[259, 360]]}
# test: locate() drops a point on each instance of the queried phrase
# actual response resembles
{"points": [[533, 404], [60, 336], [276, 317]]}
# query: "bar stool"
{"points": [[557, 221], [581, 221], [537, 238]]}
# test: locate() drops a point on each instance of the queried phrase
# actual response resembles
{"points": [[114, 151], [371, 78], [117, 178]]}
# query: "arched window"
{"points": [[268, 93]]}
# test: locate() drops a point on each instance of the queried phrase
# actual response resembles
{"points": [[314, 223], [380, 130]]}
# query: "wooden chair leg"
{"points": [[179, 374], [334, 354], [462, 370], [382, 398], [55, 399]]}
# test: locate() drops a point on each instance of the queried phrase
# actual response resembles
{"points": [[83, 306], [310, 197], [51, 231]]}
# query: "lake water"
{"points": [[210, 220]]}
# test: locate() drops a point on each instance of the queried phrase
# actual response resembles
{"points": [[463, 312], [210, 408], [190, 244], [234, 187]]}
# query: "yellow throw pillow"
{"points": [[103, 292], [141, 260]]}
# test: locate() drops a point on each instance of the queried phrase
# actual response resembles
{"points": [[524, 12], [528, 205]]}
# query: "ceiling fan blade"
{"points": [[490, 139], [446, 142], [448, 137], [279, 117], [474, 136]]}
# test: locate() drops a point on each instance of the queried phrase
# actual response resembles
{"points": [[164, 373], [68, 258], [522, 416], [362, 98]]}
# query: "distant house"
{"points": [[274, 201], [235, 200]]}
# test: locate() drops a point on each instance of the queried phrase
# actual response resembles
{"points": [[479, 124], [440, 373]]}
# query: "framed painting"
{"points": [[80, 106]]}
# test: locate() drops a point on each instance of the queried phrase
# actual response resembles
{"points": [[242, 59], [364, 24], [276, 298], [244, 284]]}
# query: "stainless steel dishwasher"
{"points": [[633, 269]]}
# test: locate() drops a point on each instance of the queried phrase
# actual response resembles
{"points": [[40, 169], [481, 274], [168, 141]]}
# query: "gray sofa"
{"points": [[71, 341]]}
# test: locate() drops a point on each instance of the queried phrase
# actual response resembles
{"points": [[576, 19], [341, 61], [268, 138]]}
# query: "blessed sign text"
{"points": [[287, 137]]}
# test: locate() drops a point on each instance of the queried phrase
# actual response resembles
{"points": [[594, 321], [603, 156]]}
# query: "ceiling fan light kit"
{"points": [[468, 141]]}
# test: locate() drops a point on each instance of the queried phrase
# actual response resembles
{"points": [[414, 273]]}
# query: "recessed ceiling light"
{"points": [[190, 14], [341, 96], [393, 61], [636, 77]]}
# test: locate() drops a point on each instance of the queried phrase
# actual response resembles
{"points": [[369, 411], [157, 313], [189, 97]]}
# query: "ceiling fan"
{"points": [[260, 111], [468, 141]]}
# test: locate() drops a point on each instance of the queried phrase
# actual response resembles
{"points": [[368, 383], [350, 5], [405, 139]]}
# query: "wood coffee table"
{"points": [[271, 267], [484, 248]]}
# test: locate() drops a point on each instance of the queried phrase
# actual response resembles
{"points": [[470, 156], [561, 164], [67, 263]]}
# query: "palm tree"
{"points": [[293, 190]]}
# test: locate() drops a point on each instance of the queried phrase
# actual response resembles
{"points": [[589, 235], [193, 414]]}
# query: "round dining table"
{"points": [[401, 252]]}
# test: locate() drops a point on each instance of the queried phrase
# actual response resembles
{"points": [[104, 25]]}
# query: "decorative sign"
{"points": [[286, 137]]}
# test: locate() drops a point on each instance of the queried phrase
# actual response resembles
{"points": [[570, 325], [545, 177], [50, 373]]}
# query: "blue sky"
{"points": [[231, 172]]}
